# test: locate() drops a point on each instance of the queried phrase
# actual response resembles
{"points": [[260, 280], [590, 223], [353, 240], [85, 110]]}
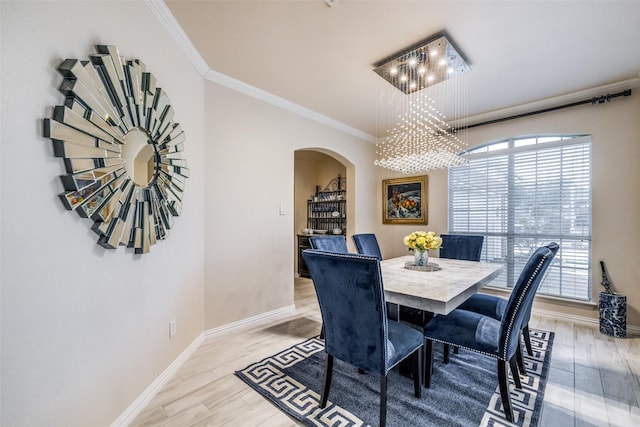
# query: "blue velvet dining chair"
{"points": [[484, 334], [351, 297], [458, 246], [367, 244], [329, 243], [494, 306], [464, 247]]}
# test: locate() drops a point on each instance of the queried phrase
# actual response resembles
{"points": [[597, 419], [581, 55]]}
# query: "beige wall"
{"points": [[86, 330], [615, 128], [250, 173]]}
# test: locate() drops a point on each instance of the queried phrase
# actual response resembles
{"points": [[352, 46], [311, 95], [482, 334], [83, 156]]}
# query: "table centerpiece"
{"points": [[420, 242]]}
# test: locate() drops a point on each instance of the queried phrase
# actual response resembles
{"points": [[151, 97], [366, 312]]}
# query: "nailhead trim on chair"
{"points": [[379, 271], [531, 279], [510, 326], [468, 348]]}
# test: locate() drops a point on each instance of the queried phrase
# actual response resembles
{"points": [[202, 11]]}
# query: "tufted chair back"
{"points": [[329, 243], [468, 248], [350, 293], [349, 290], [367, 244], [518, 307]]}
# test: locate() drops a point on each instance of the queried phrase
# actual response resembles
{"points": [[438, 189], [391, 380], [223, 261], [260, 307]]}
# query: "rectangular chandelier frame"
{"points": [[422, 65]]}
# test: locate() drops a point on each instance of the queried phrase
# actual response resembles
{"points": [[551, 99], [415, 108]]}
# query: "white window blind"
{"points": [[522, 193]]}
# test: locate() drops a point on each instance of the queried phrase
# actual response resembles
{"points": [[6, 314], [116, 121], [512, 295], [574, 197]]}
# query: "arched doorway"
{"points": [[314, 168]]}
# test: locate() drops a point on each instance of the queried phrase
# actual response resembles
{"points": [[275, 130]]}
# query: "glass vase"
{"points": [[421, 258]]}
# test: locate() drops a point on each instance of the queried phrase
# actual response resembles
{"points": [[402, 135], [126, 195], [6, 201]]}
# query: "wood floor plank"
{"points": [[617, 378], [255, 417], [585, 353], [589, 402], [152, 415], [621, 413], [562, 356], [188, 417], [557, 407], [594, 380], [178, 389], [564, 332], [556, 415]]}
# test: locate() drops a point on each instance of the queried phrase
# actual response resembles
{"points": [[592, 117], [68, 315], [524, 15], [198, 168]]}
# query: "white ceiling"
{"points": [[322, 57]]}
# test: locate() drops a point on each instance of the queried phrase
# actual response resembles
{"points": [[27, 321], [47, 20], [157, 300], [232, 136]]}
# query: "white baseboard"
{"points": [[249, 322], [143, 400], [631, 329]]}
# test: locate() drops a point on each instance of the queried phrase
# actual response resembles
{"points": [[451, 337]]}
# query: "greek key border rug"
{"points": [[463, 393]]}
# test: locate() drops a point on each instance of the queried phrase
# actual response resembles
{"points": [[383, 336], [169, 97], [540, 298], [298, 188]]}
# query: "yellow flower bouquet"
{"points": [[419, 242], [423, 241]]}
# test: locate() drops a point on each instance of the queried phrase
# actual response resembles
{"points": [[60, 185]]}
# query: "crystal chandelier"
{"points": [[415, 136]]}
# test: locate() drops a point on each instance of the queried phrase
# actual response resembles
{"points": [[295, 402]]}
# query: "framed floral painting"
{"points": [[405, 200]]}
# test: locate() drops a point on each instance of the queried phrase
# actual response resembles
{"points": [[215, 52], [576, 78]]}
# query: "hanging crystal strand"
{"points": [[414, 134]]}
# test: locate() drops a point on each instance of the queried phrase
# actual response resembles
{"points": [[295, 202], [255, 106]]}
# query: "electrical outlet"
{"points": [[172, 328]]}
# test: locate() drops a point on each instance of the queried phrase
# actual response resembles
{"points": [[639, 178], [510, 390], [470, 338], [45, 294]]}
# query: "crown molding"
{"points": [[171, 25], [238, 86]]}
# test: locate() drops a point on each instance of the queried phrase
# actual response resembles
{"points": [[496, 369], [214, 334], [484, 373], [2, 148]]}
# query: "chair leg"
{"points": [[503, 380], [417, 372], [428, 364], [328, 372], [383, 400], [455, 349], [513, 363], [520, 359], [445, 354], [527, 339]]}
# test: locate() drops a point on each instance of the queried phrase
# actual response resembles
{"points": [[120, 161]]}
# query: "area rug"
{"points": [[463, 393]]}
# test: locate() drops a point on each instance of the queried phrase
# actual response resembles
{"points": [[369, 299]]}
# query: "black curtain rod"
{"points": [[595, 100]]}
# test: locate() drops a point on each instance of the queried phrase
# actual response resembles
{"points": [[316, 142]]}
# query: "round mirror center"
{"points": [[138, 155]]}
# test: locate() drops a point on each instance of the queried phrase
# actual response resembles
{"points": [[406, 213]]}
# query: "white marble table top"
{"points": [[435, 291]]}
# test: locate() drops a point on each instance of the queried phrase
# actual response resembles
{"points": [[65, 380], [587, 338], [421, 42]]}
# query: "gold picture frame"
{"points": [[405, 200]]}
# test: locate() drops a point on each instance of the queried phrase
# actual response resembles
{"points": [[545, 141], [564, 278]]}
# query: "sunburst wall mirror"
{"points": [[121, 149]]}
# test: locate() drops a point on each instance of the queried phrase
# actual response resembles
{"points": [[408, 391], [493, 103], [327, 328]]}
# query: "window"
{"points": [[522, 193]]}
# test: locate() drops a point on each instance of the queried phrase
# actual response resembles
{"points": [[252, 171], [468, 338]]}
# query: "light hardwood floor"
{"points": [[594, 380]]}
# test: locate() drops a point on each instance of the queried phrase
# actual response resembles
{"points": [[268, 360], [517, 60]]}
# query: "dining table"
{"points": [[448, 284]]}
